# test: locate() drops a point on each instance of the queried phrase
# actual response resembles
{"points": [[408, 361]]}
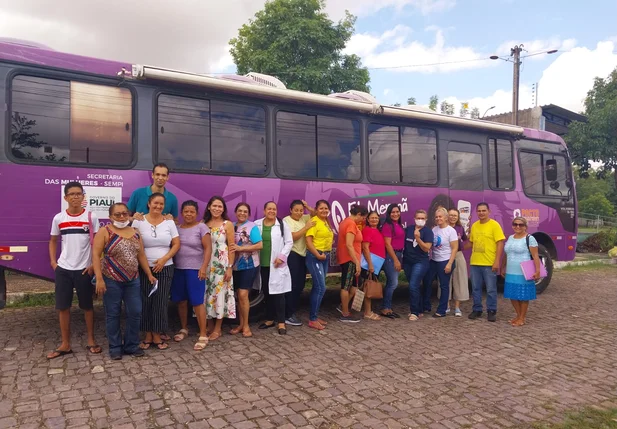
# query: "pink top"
{"points": [[377, 245], [397, 235]]}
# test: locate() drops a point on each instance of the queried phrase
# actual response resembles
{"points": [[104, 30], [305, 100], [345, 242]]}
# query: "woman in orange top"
{"points": [[348, 254]]}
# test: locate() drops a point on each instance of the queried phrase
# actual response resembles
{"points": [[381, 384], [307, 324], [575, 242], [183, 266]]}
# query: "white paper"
{"points": [[154, 288]]}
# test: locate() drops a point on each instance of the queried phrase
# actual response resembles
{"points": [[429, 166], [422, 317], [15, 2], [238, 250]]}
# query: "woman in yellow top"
{"points": [[318, 244]]}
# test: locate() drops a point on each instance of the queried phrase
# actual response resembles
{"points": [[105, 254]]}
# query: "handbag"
{"points": [[373, 288], [358, 300], [529, 267]]}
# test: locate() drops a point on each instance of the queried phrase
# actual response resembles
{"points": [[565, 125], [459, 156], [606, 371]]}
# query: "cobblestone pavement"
{"points": [[434, 373]]}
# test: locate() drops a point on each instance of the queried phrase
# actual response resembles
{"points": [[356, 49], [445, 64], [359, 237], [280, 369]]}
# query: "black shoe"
{"points": [[137, 353], [266, 326], [116, 357], [492, 316], [474, 315], [282, 331]]}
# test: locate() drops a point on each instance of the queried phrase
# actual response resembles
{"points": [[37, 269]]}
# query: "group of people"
{"points": [[145, 256]]}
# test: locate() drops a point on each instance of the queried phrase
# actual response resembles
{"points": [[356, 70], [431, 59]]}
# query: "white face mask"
{"points": [[420, 222], [121, 225]]}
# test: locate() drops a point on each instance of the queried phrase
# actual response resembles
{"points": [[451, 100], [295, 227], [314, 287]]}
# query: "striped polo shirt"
{"points": [[76, 252]]}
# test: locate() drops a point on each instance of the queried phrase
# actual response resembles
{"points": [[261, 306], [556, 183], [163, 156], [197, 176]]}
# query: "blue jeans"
{"points": [[130, 294], [391, 280], [484, 275], [438, 269], [318, 270], [414, 272]]}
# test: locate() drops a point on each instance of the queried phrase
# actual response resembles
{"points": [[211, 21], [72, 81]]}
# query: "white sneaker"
{"points": [[458, 313], [448, 310]]}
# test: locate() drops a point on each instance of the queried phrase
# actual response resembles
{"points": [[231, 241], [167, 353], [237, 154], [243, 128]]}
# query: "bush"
{"points": [[600, 242], [596, 204]]}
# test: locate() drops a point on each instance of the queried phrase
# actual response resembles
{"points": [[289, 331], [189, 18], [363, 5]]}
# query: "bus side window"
{"points": [[384, 158], [65, 121], [500, 174]]}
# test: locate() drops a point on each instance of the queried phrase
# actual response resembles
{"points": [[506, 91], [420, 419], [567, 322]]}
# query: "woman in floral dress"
{"points": [[220, 301]]}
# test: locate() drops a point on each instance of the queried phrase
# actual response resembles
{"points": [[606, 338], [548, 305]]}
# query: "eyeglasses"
{"points": [[122, 214], [518, 225], [153, 233], [75, 194]]}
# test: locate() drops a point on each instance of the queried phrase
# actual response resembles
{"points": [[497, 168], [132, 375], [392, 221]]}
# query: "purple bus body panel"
{"points": [[34, 202]]}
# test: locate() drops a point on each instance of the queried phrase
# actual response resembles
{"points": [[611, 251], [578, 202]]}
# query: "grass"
{"points": [[597, 265], [35, 300], [587, 418]]}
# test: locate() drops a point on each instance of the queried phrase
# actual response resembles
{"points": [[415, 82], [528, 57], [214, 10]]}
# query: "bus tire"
{"points": [[257, 304], [545, 257]]}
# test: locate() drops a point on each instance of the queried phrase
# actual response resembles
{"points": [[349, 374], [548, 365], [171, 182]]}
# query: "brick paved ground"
{"points": [[435, 373]]}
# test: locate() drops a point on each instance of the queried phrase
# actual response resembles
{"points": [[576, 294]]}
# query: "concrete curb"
{"points": [[562, 264]]}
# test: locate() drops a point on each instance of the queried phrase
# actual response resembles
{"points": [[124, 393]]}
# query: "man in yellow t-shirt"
{"points": [[487, 241]]}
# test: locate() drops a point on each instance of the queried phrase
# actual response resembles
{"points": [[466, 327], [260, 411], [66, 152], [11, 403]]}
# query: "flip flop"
{"points": [[247, 334], [214, 336], [161, 346], [93, 349], [235, 331], [145, 345], [389, 315], [182, 334], [60, 353], [165, 337]]}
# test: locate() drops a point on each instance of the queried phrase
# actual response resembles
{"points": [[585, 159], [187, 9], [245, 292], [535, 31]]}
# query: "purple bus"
{"points": [[247, 138]]}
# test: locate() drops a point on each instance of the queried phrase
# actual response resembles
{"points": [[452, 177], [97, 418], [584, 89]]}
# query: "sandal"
{"points": [[247, 333], [235, 330], [372, 316], [162, 345], [165, 337], [145, 345], [412, 317], [316, 325], [214, 336], [201, 344], [390, 314], [182, 334], [57, 353], [95, 349], [323, 322]]}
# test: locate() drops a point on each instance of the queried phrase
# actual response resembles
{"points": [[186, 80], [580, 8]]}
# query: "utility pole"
{"points": [[515, 52]]}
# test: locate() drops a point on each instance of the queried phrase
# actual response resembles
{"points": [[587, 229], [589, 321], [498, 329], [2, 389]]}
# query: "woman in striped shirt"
{"points": [[117, 279]]}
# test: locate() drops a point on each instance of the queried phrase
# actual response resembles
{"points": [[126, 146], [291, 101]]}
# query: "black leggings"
{"points": [[275, 304]]}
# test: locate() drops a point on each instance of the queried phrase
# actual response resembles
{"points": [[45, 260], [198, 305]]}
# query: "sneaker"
{"points": [[492, 316], [339, 309], [458, 312], [348, 319], [293, 321], [448, 310], [474, 315]]}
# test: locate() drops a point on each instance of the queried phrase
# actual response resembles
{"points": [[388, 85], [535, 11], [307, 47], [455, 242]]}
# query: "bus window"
{"points": [[465, 171], [238, 138], [535, 178], [338, 148], [184, 132], [65, 121], [419, 156], [384, 156], [500, 175], [296, 150]]}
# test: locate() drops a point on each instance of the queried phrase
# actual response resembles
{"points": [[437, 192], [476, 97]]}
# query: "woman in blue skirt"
{"points": [[519, 290]]}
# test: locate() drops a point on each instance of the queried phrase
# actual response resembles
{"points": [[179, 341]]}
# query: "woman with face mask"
{"points": [[191, 270], [161, 243], [117, 279], [418, 243]]}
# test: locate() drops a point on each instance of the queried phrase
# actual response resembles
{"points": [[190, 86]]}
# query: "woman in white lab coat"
{"points": [[275, 276]]}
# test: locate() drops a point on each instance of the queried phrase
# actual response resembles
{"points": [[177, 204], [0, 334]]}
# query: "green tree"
{"points": [[596, 204], [596, 139], [295, 41], [447, 108], [464, 110], [397, 104], [411, 101], [475, 113], [433, 102]]}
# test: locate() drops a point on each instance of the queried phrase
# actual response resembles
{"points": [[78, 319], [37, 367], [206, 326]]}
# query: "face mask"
{"points": [[420, 222], [121, 225]]}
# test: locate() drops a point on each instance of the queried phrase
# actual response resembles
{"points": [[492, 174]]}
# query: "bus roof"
{"points": [[32, 53]]}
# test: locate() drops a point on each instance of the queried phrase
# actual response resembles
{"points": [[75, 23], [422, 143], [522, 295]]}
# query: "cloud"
{"points": [[395, 49], [565, 82], [537, 46]]}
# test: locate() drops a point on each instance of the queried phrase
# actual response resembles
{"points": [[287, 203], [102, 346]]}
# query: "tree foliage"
{"points": [[475, 113], [596, 204], [295, 41], [433, 102], [411, 101], [596, 139], [464, 110], [446, 108]]}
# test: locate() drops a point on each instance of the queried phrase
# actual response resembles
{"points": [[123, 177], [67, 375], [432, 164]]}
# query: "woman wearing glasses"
{"points": [[117, 280], [161, 243], [519, 290]]}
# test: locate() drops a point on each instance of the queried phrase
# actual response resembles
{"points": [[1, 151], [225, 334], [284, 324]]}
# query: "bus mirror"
{"points": [[568, 183], [554, 185], [550, 170]]}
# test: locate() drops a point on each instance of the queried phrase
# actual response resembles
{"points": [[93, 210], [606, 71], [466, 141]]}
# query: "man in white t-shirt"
{"points": [[73, 269]]}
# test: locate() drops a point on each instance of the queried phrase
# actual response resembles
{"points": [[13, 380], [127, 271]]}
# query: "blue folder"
{"points": [[376, 260]]}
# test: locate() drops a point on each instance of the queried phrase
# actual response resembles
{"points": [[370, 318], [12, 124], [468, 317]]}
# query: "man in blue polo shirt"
{"points": [[138, 203]]}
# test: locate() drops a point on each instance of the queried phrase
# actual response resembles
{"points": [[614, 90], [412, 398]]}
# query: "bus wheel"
{"points": [[257, 304], [545, 257]]}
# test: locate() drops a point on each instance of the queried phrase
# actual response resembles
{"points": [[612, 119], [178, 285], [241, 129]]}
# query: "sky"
{"points": [[413, 48]]}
